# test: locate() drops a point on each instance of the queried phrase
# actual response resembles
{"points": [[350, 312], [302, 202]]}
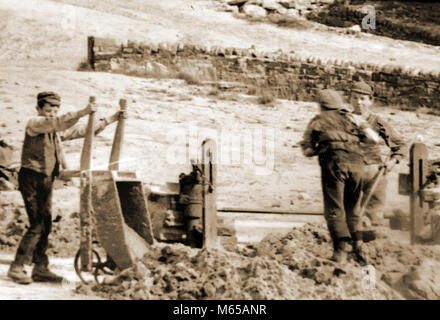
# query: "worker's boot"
{"points": [[41, 273], [19, 274], [359, 255], [368, 235], [339, 251]]}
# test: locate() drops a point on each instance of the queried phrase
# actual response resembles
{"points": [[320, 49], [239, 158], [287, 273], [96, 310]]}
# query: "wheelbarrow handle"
{"points": [[86, 154], [379, 174], [118, 139], [382, 171]]}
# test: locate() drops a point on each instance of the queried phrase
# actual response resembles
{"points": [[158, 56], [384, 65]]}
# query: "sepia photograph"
{"points": [[234, 152]]}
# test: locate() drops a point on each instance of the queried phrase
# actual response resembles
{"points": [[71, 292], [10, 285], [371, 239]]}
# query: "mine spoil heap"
{"points": [[290, 266]]}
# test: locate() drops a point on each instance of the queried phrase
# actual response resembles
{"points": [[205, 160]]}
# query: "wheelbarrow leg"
{"points": [[86, 222], [86, 195]]}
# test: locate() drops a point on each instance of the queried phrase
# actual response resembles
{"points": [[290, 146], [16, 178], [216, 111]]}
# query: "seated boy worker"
{"points": [[40, 163]]}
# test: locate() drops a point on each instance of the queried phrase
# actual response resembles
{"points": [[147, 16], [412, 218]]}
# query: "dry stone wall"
{"points": [[285, 74]]}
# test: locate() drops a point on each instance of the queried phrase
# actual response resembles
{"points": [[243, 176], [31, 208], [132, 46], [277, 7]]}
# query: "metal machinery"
{"points": [[422, 198]]}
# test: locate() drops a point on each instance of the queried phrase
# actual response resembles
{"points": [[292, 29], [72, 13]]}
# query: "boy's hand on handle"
{"points": [[118, 115], [122, 114], [359, 121], [92, 107], [389, 165], [365, 127]]}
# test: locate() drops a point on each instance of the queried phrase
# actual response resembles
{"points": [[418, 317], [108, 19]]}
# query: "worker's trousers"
{"points": [[36, 189], [342, 187]]}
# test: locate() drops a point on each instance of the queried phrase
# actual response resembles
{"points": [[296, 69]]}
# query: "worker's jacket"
{"points": [[391, 145], [333, 135], [42, 151]]}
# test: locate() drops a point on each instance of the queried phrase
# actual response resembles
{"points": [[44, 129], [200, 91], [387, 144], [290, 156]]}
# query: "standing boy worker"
{"points": [[41, 161], [387, 152], [334, 136]]}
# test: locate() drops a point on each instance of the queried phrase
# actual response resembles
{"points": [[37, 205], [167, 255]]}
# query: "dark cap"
{"points": [[362, 88], [331, 100], [48, 97]]}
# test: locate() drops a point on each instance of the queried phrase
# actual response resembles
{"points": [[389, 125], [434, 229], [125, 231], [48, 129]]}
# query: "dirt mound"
{"points": [[408, 270], [290, 266], [178, 272], [293, 266], [64, 237]]}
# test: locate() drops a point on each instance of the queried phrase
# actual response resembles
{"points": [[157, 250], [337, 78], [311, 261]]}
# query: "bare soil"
{"points": [[42, 43]]}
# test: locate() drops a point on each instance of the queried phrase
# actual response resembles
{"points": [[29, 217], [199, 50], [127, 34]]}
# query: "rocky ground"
{"points": [[290, 266], [41, 50]]}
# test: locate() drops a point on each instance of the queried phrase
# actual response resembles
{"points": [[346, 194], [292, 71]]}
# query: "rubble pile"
{"points": [[291, 266], [398, 270], [179, 272], [64, 237]]}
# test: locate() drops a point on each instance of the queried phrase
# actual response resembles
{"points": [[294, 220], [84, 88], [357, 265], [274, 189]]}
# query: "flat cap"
{"points": [[362, 88], [331, 100], [49, 97]]}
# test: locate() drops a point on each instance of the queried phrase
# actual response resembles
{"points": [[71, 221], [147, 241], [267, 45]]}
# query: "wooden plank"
{"points": [[70, 174], [120, 175], [272, 211], [118, 138], [418, 174], [209, 216]]}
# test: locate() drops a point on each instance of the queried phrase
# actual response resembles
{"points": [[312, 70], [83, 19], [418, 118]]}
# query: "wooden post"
{"points": [[86, 195], [117, 140], [418, 173], [209, 214], [91, 52]]}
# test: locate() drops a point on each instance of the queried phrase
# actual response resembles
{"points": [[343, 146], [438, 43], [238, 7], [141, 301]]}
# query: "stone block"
{"points": [[254, 12], [105, 42], [127, 50], [180, 47]]}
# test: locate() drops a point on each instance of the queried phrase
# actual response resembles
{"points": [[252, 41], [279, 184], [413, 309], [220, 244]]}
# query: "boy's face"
{"points": [[361, 102], [48, 110]]}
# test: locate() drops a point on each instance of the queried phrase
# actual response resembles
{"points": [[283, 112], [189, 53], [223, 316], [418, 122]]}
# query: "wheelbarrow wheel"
{"points": [[102, 270], [96, 263]]}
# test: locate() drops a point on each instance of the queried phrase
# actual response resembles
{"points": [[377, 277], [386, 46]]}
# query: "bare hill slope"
{"points": [[41, 31]]}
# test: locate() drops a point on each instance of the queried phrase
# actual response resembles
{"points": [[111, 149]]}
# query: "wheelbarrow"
{"points": [[113, 211]]}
